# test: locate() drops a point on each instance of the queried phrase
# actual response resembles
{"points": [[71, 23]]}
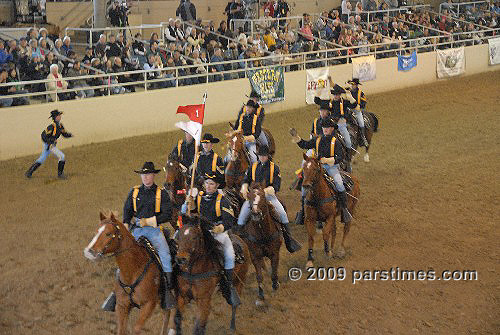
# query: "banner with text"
{"points": [[406, 63], [317, 84], [364, 68], [494, 47], [450, 62], [269, 83]]}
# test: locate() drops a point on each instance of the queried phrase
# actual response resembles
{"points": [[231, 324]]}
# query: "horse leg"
{"points": [[369, 134], [122, 312], [259, 264], [202, 317], [310, 219], [347, 227], [144, 314], [327, 232], [178, 315], [275, 260], [166, 322], [334, 231]]}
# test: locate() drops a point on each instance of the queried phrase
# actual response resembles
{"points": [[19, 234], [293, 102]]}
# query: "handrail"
{"points": [[457, 19], [459, 4]]}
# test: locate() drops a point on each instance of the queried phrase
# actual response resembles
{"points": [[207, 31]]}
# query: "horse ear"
{"points": [[231, 125], [305, 156], [112, 217], [102, 217]]}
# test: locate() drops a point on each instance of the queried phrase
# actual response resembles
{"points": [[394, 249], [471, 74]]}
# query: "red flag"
{"points": [[195, 112]]}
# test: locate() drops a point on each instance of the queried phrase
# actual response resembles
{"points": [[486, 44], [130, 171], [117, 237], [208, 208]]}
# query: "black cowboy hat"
{"points": [[327, 123], [148, 167], [211, 177], [337, 89], [354, 81], [252, 103], [254, 94], [324, 104], [263, 150], [209, 138], [55, 113]]}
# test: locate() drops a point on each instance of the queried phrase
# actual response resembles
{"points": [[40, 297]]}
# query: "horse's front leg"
{"points": [[167, 320], [275, 260], [347, 227], [334, 229], [327, 234], [309, 221], [122, 310], [181, 303], [202, 317], [144, 314], [258, 262]]}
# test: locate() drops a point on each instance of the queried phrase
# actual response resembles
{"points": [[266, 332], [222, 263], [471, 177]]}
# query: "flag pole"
{"points": [[195, 163]]}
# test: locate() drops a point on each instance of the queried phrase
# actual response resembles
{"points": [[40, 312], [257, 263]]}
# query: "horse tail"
{"points": [[375, 122]]}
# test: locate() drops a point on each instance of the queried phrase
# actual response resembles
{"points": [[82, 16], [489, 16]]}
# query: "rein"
{"points": [[315, 201], [130, 289], [266, 239]]}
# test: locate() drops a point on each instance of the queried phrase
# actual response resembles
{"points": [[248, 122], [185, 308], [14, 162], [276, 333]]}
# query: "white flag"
{"points": [[450, 62], [364, 68], [494, 48], [317, 84], [192, 128]]}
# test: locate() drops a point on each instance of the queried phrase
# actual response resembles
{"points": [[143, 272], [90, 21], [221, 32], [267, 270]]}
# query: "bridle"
{"points": [[313, 179], [115, 234]]}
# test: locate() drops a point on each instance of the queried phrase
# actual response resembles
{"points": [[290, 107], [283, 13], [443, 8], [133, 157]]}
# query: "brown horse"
{"points": [[176, 186], [320, 205], [200, 271], [371, 127], [136, 270], [263, 238]]}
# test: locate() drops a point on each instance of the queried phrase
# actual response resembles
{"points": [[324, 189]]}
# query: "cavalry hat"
{"points": [[254, 94], [327, 123], [210, 177], [337, 89], [55, 113], [263, 150], [354, 81], [209, 138], [148, 167], [252, 103], [324, 104]]}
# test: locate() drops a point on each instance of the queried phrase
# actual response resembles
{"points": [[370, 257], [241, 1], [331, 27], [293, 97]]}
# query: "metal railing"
{"points": [[454, 7], [369, 16], [265, 22], [112, 83]]}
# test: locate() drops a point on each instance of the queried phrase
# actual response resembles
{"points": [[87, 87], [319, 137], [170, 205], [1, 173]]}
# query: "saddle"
{"points": [[346, 179], [239, 255]]}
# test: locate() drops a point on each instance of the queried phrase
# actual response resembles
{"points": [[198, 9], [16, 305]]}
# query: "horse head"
{"points": [[108, 238], [312, 171], [257, 200], [235, 143], [174, 173]]}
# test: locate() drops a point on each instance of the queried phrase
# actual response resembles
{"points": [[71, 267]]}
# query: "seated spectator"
{"points": [[178, 31], [36, 72], [101, 47], [16, 89], [194, 39], [88, 55], [77, 71], [57, 84], [269, 39], [66, 45], [201, 70], [181, 72], [5, 101], [124, 46], [24, 48], [170, 32], [217, 57], [307, 32], [5, 55], [124, 78], [113, 48], [112, 80], [58, 50], [43, 33]]}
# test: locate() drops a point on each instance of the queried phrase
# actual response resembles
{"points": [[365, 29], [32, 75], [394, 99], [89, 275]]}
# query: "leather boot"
{"points": [[60, 170], [32, 169], [291, 244], [109, 304], [169, 300], [364, 142], [299, 218], [235, 298], [345, 216]]}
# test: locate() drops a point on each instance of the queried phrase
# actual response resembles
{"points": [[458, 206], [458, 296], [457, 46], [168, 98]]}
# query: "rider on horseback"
{"points": [[150, 206], [208, 162], [329, 153], [184, 151], [214, 207], [250, 120], [338, 108], [359, 95], [267, 173]]}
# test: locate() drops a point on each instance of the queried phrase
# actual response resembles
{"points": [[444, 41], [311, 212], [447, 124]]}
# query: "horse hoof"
{"points": [[341, 254], [309, 264], [366, 158], [259, 303], [171, 332], [276, 285]]}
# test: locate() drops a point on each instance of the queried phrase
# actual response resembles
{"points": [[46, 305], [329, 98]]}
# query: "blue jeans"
{"points": [[252, 151], [156, 237], [46, 152], [345, 134], [262, 139], [228, 249], [332, 171], [359, 118], [245, 210]]}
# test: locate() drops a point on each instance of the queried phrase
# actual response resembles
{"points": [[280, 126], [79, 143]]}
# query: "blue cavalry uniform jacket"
{"points": [[184, 152], [338, 108], [250, 124], [52, 133], [210, 163], [268, 174], [360, 97], [216, 208], [145, 202], [325, 146]]}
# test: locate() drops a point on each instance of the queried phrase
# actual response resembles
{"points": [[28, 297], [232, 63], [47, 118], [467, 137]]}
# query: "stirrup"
{"points": [[110, 303]]}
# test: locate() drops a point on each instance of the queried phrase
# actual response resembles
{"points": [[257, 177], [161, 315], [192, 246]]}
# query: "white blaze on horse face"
{"points": [[186, 232], [86, 251], [309, 165], [256, 201]]}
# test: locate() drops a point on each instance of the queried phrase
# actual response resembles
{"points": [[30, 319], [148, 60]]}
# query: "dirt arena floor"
{"points": [[429, 201]]}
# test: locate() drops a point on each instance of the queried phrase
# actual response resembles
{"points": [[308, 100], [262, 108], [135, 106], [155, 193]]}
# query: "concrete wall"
{"points": [[114, 117]]}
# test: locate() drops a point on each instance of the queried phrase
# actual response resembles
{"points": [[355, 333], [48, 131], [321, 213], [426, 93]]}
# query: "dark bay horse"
{"points": [[320, 205], [176, 185], [263, 238], [134, 262], [371, 127], [200, 271]]}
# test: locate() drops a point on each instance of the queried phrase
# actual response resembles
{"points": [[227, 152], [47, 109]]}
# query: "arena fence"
{"points": [[460, 7]]}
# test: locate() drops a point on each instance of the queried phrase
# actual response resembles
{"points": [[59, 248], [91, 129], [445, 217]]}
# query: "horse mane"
{"points": [[212, 246], [233, 133]]}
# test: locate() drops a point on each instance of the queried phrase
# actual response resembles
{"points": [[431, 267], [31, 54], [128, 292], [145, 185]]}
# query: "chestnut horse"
{"points": [[371, 127], [200, 270], [136, 270], [263, 238], [321, 205], [176, 186]]}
